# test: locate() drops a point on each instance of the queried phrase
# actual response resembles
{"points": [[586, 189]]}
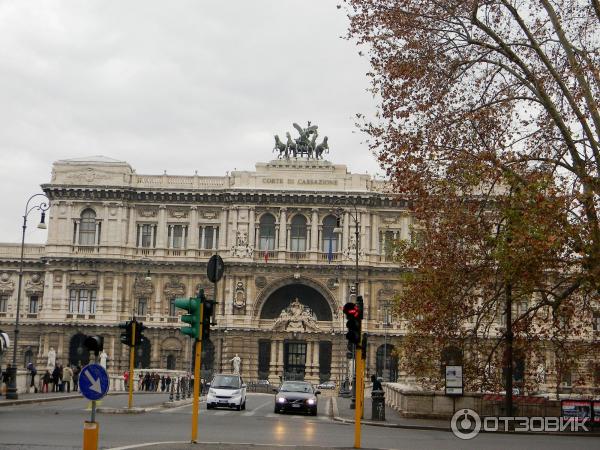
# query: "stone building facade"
{"points": [[121, 244]]}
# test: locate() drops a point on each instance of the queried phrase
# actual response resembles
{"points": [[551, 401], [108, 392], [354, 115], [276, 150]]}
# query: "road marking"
{"points": [[222, 413], [252, 412]]}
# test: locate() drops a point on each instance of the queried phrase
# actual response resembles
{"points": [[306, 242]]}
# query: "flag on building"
{"points": [[266, 255]]}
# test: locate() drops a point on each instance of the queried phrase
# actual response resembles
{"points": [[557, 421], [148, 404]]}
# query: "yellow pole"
{"points": [[131, 366], [196, 404], [359, 396]]}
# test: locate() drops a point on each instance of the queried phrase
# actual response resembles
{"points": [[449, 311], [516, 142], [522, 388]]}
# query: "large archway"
{"points": [[283, 296], [78, 354], [279, 294]]}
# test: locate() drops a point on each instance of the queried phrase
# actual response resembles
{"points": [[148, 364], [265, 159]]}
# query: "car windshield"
{"points": [[225, 382], [296, 387]]}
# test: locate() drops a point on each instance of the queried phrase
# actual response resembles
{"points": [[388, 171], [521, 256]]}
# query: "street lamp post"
{"points": [[386, 307], [355, 218], [43, 206]]}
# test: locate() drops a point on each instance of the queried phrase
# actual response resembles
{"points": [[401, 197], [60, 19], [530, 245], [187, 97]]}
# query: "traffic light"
{"points": [[207, 315], [192, 306], [139, 332], [364, 346], [94, 344], [353, 316], [126, 336]]}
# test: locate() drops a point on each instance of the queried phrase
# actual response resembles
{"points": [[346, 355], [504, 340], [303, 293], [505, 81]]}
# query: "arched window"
{"points": [[143, 353], [298, 234], [386, 362], [330, 238], [267, 233], [87, 228]]}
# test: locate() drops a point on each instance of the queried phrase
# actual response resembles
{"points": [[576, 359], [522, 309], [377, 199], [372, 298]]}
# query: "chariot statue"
{"points": [[304, 146]]}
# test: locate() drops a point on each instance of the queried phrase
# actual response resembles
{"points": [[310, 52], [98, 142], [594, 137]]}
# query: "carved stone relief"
{"points": [[147, 212], [333, 283], [7, 286], [296, 317], [35, 285], [242, 249], [260, 282], [143, 288], [178, 213], [239, 298], [174, 288]]}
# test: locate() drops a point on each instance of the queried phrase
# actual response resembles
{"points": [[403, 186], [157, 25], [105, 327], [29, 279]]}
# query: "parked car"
{"points": [[327, 385], [296, 396], [226, 390]]}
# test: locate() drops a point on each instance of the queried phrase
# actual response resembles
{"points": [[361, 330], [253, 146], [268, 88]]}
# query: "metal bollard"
{"points": [[171, 388], [178, 396], [377, 405]]}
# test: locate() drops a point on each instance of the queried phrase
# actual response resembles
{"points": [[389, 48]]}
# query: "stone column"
{"points": [[374, 233], [314, 231], [280, 362], [223, 230], [193, 229], [316, 366], [132, 227], [347, 231], [282, 229], [161, 238], [273, 362], [251, 227], [309, 358]]}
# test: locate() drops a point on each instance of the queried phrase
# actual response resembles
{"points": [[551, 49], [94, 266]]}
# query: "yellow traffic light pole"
{"points": [[196, 404], [359, 392], [131, 365]]}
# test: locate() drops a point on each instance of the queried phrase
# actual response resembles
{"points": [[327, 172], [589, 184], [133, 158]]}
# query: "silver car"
{"points": [[227, 391]]}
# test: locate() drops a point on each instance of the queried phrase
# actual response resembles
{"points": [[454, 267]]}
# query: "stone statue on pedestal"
{"points": [[237, 361], [103, 358], [51, 358]]}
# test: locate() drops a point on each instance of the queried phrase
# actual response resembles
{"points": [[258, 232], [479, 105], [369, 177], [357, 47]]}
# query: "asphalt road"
{"points": [[59, 425]]}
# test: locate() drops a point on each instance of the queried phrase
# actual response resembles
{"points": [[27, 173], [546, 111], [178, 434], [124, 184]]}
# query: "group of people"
{"points": [[153, 382], [57, 379]]}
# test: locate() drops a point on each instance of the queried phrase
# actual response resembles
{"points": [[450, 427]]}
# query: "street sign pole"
{"points": [[131, 365], [360, 397], [93, 385], [196, 405]]}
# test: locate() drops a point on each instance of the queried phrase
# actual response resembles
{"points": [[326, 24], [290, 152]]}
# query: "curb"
{"points": [[106, 410], [29, 401]]}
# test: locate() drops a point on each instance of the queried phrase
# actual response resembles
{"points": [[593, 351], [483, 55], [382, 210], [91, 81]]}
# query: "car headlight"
{"points": [[281, 400], [211, 392], [311, 401], [236, 393]]}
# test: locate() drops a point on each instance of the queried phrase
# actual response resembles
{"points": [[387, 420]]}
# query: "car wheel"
{"points": [[238, 407], [313, 412], [276, 410], [209, 406], [244, 405]]}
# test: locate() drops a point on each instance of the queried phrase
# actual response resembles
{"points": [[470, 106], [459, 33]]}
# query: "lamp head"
{"points": [[42, 224]]}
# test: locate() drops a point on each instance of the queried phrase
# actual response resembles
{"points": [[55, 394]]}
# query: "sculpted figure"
{"points": [[51, 357], [103, 358], [280, 147], [237, 361]]}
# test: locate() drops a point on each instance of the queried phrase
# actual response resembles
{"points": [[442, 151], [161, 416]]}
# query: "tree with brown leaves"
{"points": [[489, 124]]}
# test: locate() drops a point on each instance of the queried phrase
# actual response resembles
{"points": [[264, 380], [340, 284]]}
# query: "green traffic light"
{"points": [[192, 307]]}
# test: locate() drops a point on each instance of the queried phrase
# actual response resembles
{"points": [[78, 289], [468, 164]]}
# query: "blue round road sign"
{"points": [[93, 382]]}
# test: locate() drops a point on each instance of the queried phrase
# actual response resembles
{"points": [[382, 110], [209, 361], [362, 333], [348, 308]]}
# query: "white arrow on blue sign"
{"points": [[93, 382]]}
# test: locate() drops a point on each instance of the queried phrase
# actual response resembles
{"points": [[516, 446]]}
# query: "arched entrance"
{"points": [[386, 364], [78, 354], [298, 307]]}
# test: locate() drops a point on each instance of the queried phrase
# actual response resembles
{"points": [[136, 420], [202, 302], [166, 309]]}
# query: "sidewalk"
{"points": [[26, 398], [392, 418]]}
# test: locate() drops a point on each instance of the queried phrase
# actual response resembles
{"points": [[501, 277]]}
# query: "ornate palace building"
{"points": [[122, 244]]}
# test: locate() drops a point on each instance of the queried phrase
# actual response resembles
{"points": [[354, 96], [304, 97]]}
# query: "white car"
{"points": [[227, 391]]}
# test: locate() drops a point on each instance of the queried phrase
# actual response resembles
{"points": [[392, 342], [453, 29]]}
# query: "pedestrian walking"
{"points": [[168, 383], [6, 378], [67, 378], [32, 373], [163, 384], [55, 379]]}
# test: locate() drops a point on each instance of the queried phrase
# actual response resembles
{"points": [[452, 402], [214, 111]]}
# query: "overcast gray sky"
{"points": [[170, 85]]}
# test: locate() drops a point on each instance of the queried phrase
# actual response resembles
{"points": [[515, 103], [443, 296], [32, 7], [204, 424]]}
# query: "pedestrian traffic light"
{"points": [[192, 306], [126, 336], [353, 316], [94, 344], [139, 332]]}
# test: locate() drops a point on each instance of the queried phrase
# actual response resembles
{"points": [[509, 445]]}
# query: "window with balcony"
{"points": [[87, 229], [330, 242], [3, 303], [146, 235], [177, 236], [387, 239], [33, 304], [209, 237], [266, 233], [298, 234]]}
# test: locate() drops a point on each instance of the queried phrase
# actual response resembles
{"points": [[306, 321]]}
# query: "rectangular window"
{"points": [[211, 237], [73, 301], [33, 304], [83, 297], [172, 309], [177, 236], [142, 307], [595, 321], [298, 243], [92, 302], [146, 235], [3, 303]]}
